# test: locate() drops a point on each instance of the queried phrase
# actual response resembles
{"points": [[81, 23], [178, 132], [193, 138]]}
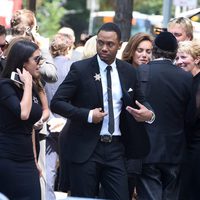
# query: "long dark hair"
{"points": [[19, 52]]}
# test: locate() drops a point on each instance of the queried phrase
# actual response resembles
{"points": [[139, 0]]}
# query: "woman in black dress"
{"points": [[21, 106], [188, 58]]}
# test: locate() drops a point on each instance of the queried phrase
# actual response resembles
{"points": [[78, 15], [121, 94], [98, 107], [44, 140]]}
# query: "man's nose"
{"points": [[104, 47]]}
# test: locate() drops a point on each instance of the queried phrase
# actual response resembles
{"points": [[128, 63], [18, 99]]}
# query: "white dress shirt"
{"points": [[116, 96]]}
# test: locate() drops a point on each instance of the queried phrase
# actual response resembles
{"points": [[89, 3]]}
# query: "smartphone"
{"points": [[15, 77]]}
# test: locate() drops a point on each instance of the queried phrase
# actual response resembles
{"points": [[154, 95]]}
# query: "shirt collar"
{"points": [[103, 65]]}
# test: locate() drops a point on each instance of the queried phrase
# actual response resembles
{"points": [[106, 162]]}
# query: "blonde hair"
{"points": [[67, 31], [190, 47], [185, 23], [22, 21], [60, 45], [89, 48]]}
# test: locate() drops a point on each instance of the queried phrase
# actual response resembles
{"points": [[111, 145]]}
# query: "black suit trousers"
{"points": [[159, 181], [106, 167]]}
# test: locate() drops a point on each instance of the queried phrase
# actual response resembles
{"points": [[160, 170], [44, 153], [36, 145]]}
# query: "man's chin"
{"points": [[103, 58]]}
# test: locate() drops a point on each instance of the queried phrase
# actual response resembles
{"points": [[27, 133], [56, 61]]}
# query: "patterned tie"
{"points": [[110, 102]]}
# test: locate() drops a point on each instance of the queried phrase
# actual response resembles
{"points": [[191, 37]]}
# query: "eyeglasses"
{"points": [[36, 28], [39, 60]]}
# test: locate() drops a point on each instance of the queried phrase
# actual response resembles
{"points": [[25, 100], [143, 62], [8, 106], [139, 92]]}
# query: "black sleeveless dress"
{"points": [[19, 177]]}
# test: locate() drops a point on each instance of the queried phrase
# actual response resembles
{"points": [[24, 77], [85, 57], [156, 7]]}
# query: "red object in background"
{"points": [[8, 7]]}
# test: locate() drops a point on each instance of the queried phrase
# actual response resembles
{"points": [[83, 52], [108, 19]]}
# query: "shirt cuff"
{"points": [[152, 118], [90, 116]]}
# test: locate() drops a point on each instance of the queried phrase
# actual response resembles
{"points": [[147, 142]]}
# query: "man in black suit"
{"points": [[167, 88], [95, 97]]}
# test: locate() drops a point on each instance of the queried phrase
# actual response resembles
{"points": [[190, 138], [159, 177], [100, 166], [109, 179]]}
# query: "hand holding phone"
{"points": [[15, 77]]}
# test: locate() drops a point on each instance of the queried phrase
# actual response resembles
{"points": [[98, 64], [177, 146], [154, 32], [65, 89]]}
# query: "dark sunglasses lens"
{"points": [[39, 60], [37, 28]]}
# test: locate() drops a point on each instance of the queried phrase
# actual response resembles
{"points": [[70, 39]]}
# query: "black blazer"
{"points": [[193, 116], [168, 90], [79, 93]]}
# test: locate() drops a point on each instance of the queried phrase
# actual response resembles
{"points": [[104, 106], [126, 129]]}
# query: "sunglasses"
{"points": [[37, 28], [39, 60]]}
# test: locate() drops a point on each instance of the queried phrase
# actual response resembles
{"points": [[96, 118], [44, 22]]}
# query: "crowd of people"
{"points": [[110, 119]]}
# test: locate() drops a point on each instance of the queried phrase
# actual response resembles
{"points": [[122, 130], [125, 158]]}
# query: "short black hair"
{"points": [[111, 27], [2, 30]]}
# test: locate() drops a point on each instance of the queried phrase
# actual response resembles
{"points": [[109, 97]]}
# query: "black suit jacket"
{"points": [[79, 93], [168, 90], [2, 64]]}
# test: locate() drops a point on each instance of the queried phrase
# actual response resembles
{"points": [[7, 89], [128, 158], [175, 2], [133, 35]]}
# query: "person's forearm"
{"points": [[45, 107], [45, 115], [26, 102]]}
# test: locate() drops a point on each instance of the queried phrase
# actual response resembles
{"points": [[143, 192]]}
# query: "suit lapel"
{"points": [[121, 73], [123, 81], [122, 77], [95, 72]]}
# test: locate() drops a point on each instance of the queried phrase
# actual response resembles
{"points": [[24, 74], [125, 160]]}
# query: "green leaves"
{"points": [[149, 7], [49, 15]]}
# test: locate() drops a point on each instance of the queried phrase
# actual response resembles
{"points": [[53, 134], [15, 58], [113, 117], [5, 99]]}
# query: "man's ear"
{"points": [[120, 44]]}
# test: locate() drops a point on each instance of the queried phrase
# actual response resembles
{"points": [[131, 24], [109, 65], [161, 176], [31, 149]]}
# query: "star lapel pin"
{"points": [[97, 77]]}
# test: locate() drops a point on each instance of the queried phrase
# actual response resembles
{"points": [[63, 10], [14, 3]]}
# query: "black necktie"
{"points": [[110, 102]]}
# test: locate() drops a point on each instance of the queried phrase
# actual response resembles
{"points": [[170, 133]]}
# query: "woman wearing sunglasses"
{"points": [[22, 107]]}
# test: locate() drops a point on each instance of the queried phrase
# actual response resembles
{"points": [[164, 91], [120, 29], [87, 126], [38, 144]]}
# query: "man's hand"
{"points": [[142, 114], [98, 115]]}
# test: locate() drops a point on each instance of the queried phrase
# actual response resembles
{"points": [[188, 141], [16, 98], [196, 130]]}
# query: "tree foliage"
{"points": [[49, 15], [52, 14], [107, 4], [149, 7], [144, 6]]}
